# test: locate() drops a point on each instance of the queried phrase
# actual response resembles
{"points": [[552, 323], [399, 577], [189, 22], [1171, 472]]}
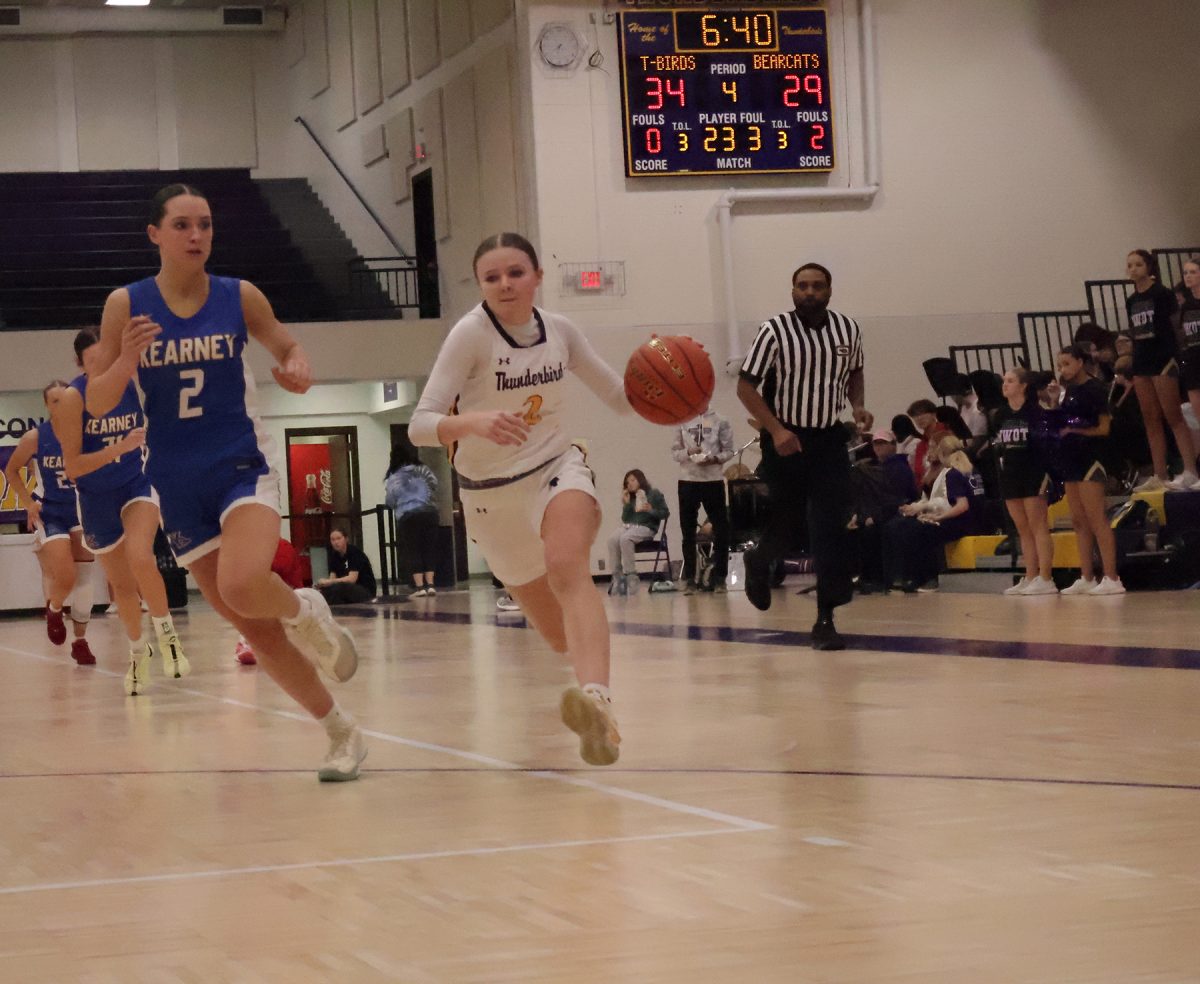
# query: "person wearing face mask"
{"points": [[817, 357]]}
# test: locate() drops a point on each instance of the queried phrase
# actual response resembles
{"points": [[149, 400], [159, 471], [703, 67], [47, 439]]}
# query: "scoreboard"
{"points": [[708, 91]]}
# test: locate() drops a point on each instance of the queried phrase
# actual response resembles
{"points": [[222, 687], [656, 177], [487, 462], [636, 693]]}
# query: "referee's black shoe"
{"points": [[825, 635], [758, 580]]}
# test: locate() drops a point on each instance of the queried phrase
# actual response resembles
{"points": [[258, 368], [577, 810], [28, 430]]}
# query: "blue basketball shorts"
{"points": [[101, 512], [196, 500], [59, 519]]}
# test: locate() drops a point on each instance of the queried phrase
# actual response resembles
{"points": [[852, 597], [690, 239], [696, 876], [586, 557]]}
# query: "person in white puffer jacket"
{"points": [[702, 445]]}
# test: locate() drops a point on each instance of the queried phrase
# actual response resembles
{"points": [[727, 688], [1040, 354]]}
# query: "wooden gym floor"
{"points": [[983, 789]]}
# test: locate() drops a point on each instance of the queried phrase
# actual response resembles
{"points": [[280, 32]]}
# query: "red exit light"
{"points": [[591, 280]]}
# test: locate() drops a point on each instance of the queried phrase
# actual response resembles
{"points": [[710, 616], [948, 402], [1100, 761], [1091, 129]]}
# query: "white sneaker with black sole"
{"points": [[137, 677], [330, 646]]}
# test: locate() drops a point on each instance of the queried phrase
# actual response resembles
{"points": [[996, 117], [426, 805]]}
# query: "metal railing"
{"points": [[385, 283], [997, 357], [1043, 333], [1171, 261], [1106, 303]]}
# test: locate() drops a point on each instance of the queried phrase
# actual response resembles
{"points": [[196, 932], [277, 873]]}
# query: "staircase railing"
{"points": [[350, 184], [383, 283], [1043, 333], [1171, 261], [997, 357], [1106, 302]]}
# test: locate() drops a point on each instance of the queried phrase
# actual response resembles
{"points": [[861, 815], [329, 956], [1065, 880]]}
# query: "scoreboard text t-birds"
{"points": [[725, 91]]}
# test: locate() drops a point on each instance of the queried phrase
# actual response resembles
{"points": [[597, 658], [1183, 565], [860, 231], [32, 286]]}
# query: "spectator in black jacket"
{"points": [[351, 580]]}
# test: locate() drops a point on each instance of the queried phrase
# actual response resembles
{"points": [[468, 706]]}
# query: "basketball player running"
{"points": [[182, 335], [119, 512], [496, 395], [54, 515]]}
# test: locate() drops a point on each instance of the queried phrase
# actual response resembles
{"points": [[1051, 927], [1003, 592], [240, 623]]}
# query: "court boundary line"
{"points": [[499, 765], [180, 876]]}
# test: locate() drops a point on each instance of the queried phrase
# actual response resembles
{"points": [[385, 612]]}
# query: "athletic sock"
{"points": [[337, 721], [599, 689], [138, 647], [162, 626]]}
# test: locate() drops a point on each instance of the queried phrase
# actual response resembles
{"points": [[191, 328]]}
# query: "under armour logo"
{"points": [[504, 362]]}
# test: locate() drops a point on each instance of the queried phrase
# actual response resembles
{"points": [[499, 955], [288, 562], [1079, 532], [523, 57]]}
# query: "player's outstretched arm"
{"points": [[293, 371], [123, 339]]}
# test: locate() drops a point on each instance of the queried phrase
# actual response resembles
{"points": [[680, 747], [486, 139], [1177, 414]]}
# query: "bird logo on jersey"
{"points": [[179, 541]]}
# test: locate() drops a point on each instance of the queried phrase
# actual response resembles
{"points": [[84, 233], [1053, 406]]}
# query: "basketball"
{"points": [[670, 379]]}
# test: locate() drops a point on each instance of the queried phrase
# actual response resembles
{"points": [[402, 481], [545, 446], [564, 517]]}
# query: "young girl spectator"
{"points": [[912, 541], [1024, 482], [351, 580], [642, 511], [528, 495], [1085, 424], [1155, 372], [410, 490]]}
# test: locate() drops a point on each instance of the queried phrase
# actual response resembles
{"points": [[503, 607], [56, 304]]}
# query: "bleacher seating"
{"points": [[67, 240]]}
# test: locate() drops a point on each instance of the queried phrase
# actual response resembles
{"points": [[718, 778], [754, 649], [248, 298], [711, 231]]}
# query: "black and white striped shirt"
{"points": [[812, 366]]}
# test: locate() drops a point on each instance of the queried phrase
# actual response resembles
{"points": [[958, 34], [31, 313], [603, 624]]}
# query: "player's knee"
{"points": [[241, 591]]}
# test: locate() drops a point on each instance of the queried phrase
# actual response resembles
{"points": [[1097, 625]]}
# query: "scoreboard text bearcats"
{"points": [[725, 91]]}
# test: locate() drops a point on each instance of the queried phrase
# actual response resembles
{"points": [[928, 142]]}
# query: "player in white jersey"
{"points": [[496, 396], [182, 335]]}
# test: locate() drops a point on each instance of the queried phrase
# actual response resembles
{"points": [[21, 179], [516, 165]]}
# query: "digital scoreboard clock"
{"points": [[725, 91]]}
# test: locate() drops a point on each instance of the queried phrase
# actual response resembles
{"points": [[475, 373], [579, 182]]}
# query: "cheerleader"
{"points": [[1189, 328], [1084, 412], [1024, 481], [1155, 370]]}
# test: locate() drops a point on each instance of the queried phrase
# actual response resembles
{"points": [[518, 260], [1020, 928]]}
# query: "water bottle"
{"points": [[1150, 536], [640, 500]]}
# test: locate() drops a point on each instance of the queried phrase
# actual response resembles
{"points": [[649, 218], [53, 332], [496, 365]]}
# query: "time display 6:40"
{"points": [[725, 91]]}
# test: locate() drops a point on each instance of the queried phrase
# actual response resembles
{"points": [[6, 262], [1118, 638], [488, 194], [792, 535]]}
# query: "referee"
{"points": [[817, 357]]}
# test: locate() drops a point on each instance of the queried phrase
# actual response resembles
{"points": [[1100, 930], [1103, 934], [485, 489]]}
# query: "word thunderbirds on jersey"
{"points": [[205, 348], [530, 377]]}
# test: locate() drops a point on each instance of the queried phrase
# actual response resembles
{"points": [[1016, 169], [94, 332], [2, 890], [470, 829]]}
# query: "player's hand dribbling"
{"points": [[137, 336], [294, 374], [498, 426]]}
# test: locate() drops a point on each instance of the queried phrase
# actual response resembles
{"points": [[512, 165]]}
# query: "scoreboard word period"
{"points": [[720, 91]]}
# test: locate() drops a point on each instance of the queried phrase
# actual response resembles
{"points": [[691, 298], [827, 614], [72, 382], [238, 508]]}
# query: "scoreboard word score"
{"points": [[707, 91]]}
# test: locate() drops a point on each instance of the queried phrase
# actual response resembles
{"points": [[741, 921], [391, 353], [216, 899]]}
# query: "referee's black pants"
{"points": [[817, 475]]}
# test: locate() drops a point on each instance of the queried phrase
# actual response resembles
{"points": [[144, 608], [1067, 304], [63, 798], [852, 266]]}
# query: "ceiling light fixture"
{"points": [[127, 3]]}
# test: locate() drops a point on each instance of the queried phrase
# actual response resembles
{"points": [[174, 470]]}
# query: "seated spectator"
{"points": [[643, 509], [351, 580], [924, 416], [972, 416], [913, 540], [1100, 344], [881, 485], [907, 437]]}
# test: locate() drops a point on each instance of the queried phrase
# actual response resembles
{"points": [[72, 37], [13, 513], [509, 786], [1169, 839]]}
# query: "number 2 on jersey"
{"points": [[532, 414], [194, 383]]}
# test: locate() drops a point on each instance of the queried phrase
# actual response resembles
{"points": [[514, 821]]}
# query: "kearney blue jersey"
{"points": [[56, 488], [103, 432], [196, 388]]}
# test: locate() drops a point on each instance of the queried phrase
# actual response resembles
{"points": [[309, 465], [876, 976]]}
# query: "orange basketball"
{"points": [[669, 379]]}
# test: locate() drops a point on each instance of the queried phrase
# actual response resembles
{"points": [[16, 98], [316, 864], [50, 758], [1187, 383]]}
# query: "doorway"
{"points": [[323, 489], [425, 234]]}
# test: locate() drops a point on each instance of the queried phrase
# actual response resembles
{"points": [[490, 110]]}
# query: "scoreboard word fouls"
{"points": [[707, 91]]}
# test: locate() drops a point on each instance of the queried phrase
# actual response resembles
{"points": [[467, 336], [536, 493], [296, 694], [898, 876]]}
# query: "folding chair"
{"points": [[657, 545]]}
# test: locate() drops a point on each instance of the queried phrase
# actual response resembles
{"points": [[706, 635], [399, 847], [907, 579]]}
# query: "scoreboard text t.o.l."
{"points": [[707, 91]]}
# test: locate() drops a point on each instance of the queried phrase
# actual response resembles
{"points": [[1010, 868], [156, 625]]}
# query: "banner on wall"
{"points": [[10, 509], [310, 495]]}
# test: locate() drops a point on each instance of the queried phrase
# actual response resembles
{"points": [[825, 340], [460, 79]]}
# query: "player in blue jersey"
{"points": [[54, 516], [181, 338], [119, 511]]}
